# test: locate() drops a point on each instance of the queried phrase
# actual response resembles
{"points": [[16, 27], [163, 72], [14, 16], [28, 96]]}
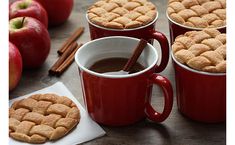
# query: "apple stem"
{"points": [[22, 23]]}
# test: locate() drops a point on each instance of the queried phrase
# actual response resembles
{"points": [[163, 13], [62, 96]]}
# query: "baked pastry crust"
{"points": [[122, 14], [198, 13], [42, 117], [202, 50]]}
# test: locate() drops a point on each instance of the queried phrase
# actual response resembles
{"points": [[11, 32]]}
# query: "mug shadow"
{"points": [[162, 129], [140, 132], [198, 126]]}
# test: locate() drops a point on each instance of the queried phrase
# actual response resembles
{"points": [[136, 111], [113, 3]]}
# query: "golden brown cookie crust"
{"points": [[202, 50], [122, 14], [198, 13], [42, 117]]}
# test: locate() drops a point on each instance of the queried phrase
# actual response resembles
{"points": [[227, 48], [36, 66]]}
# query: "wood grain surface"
{"points": [[176, 130]]}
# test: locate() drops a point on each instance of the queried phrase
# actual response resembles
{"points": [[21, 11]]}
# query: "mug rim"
{"points": [[131, 29], [192, 28], [115, 76], [195, 71]]}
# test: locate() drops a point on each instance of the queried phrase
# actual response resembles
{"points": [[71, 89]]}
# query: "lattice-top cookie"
{"points": [[122, 14], [198, 13], [42, 117], [202, 50]]}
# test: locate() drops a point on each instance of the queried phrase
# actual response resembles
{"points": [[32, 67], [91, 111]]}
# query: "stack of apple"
{"points": [[29, 39]]}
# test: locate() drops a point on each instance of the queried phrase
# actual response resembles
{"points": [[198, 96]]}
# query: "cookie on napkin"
{"points": [[42, 117]]}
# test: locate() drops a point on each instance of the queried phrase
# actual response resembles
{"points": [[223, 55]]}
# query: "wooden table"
{"points": [[176, 130]]}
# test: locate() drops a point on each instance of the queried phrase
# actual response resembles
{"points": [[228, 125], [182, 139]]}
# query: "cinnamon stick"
{"points": [[70, 40], [138, 50], [64, 56], [67, 62]]}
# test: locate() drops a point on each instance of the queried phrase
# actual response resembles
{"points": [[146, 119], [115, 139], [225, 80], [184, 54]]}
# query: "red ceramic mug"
{"points": [[118, 100], [146, 32], [201, 96], [177, 29]]}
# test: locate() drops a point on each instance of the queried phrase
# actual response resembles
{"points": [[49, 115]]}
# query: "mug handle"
{"points": [[161, 38], [166, 87]]}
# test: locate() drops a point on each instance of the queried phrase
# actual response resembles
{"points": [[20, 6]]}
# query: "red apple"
{"points": [[15, 66], [28, 8], [58, 10], [32, 40]]}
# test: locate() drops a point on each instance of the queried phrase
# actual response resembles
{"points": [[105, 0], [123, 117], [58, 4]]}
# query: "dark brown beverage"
{"points": [[114, 64]]}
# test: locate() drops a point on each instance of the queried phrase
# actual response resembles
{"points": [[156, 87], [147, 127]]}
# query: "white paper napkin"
{"points": [[85, 131]]}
